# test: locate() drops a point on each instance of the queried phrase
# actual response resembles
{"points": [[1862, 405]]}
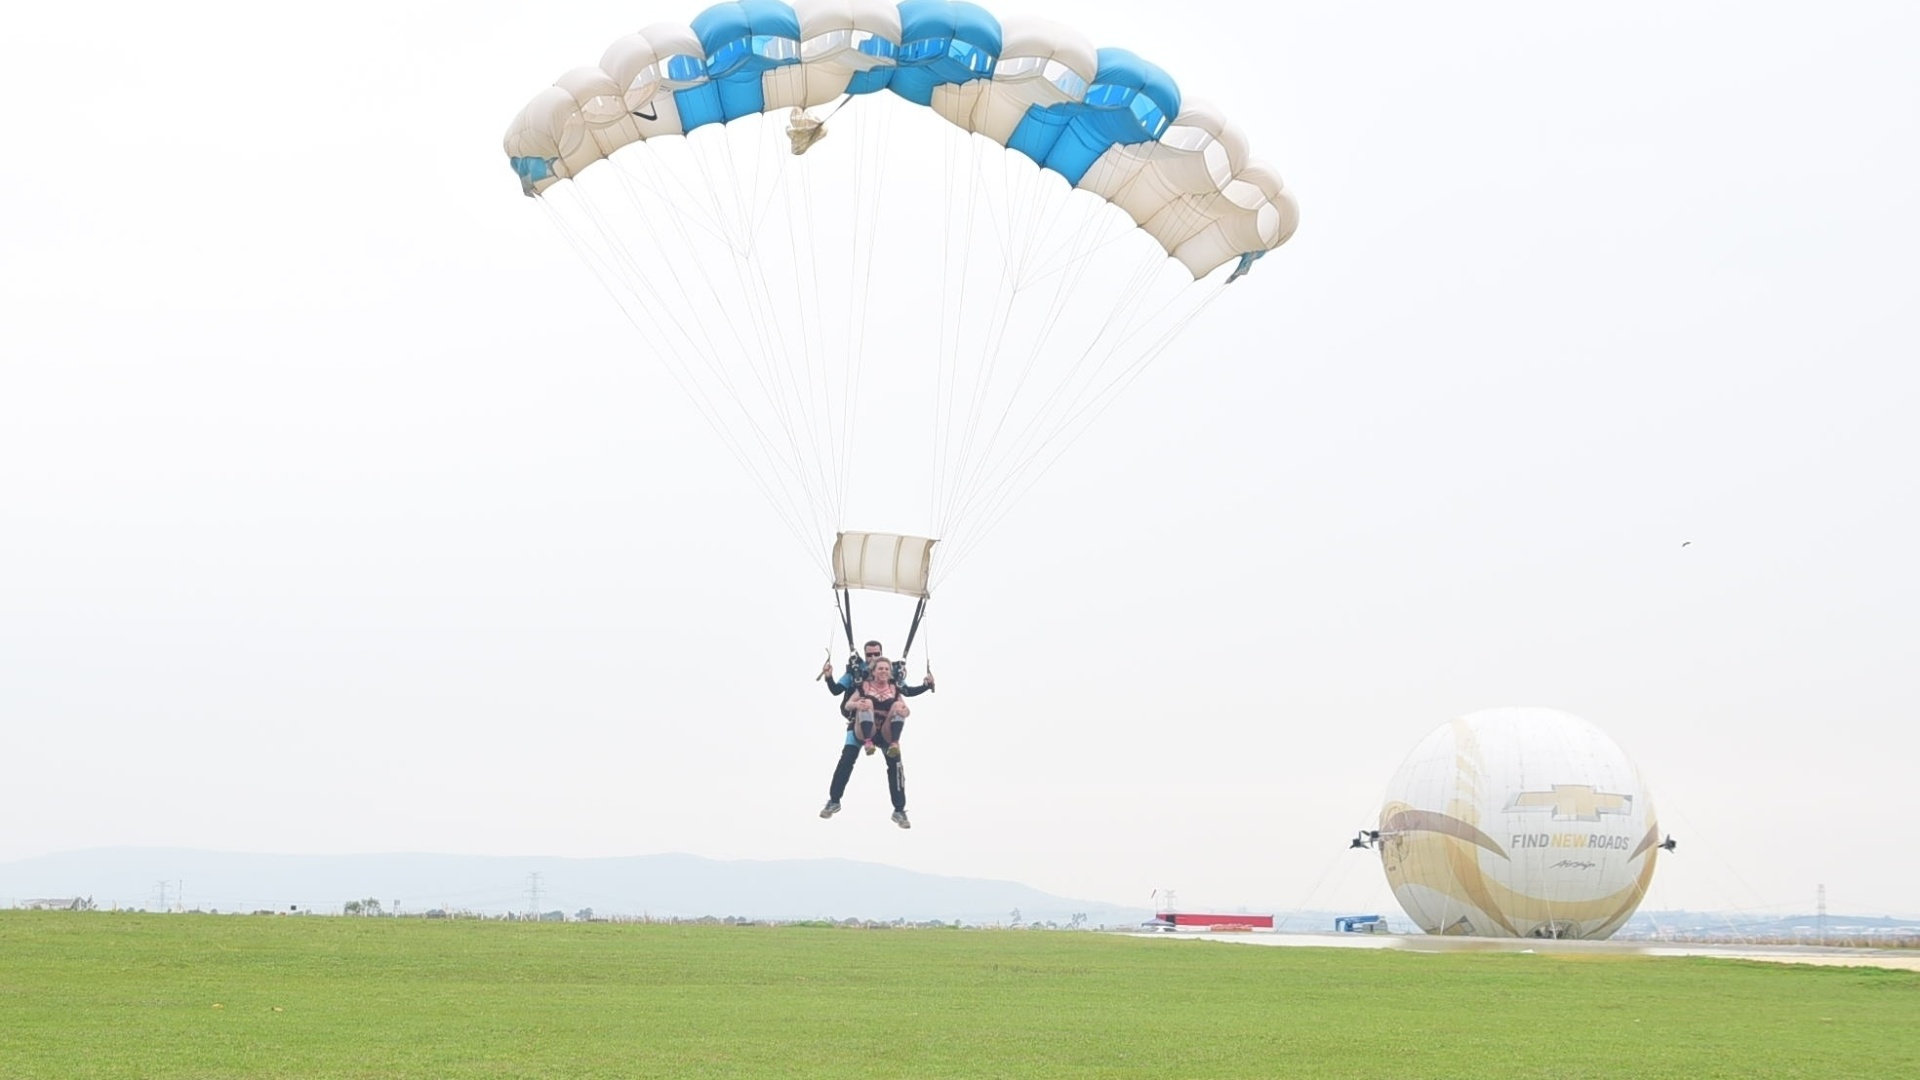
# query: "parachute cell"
{"points": [[1105, 120]]}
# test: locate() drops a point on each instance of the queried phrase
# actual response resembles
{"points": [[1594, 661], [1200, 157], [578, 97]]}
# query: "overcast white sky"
{"points": [[338, 515]]}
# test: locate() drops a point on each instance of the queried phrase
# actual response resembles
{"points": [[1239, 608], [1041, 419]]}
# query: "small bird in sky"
{"points": [[1686, 543]]}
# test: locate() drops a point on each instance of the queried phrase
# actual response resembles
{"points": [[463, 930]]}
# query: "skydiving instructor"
{"points": [[872, 699]]}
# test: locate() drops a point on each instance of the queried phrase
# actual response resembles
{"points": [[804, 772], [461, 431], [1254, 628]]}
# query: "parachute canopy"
{"points": [[1104, 120], [901, 327]]}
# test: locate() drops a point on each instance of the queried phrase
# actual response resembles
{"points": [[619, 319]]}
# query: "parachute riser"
{"points": [[919, 610], [843, 604]]}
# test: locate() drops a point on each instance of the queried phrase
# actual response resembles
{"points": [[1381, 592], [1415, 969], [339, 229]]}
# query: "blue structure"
{"points": [[942, 42]]}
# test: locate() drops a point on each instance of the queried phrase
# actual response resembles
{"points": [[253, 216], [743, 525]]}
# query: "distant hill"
{"points": [[664, 886], [1653, 923]]}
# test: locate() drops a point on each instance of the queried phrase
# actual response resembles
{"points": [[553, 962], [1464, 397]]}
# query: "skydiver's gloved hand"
{"points": [[826, 670], [930, 680]]}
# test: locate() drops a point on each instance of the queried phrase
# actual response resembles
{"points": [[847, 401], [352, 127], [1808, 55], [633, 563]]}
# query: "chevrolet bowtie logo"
{"points": [[1573, 802]]}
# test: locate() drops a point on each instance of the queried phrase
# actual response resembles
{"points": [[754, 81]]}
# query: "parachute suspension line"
{"points": [[1000, 317], [796, 197], [944, 372], [767, 131], [1042, 216], [1062, 291], [639, 297], [768, 362], [688, 199], [801, 216], [1007, 496], [809, 399], [850, 373], [1115, 329], [942, 376], [876, 182], [710, 355], [1077, 385], [1042, 220], [773, 363], [986, 466], [597, 261], [1003, 223], [643, 207], [1024, 232], [871, 181], [772, 463], [969, 175], [1077, 257], [860, 271], [946, 369], [1076, 423], [668, 312], [981, 446], [989, 465], [1107, 169], [980, 466], [956, 472], [837, 427], [743, 196], [958, 465]]}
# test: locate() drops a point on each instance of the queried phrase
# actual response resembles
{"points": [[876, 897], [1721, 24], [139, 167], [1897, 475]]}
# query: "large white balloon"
{"points": [[1519, 822]]}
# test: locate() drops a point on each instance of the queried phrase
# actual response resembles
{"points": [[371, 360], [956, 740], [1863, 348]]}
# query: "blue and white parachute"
{"points": [[904, 325], [1105, 120]]}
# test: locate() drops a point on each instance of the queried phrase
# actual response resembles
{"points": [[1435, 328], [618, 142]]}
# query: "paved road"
{"points": [[1903, 959]]}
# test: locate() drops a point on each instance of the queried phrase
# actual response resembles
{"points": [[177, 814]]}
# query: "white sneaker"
{"points": [[832, 808], [900, 819]]}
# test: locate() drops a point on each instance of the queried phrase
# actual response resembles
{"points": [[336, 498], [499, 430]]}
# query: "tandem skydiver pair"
{"points": [[872, 692]]}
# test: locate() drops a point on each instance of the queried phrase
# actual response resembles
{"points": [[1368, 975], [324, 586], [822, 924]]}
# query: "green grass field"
{"points": [[203, 997]]}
